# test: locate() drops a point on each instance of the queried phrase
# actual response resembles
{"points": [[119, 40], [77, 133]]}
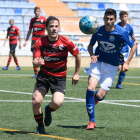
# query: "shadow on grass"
{"points": [[78, 127], [24, 132]]}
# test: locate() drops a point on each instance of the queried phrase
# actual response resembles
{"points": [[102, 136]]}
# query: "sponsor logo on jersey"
{"points": [[50, 59], [112, 38], [107, 47]]}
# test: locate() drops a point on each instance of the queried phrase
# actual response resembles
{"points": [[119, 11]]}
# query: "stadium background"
{"points": [[69, 13]]}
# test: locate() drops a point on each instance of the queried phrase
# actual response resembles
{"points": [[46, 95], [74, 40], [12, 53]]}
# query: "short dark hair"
{"points": [[10, 20], [110, 11], [51, 18], [36, 8], [123, 13]]}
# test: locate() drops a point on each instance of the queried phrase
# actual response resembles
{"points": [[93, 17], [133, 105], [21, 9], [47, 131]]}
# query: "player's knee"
{"points": [[57, 104], [36, 102], [100, 97], [91, 88]]}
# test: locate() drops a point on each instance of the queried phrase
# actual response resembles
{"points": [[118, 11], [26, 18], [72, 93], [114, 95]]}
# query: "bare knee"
{"points": [[56, 105], [91, 88], [101, 93], [36, 102]]}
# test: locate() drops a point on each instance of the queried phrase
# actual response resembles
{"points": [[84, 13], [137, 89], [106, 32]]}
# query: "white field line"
{"points": [[29, 101], [67, 75], [120, 104], [74, 99], [45, 95]]}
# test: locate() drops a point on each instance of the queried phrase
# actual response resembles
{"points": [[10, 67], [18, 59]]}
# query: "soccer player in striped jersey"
{"points": [[125, 47], [50, 54], [37, 24], [12, 33]]}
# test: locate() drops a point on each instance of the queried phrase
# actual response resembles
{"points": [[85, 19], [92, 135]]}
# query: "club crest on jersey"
{"points": [[112, 38], [61, 47], [42, 20]]}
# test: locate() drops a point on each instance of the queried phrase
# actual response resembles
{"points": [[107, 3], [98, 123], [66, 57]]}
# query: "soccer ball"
{"points": [[89, 24]]}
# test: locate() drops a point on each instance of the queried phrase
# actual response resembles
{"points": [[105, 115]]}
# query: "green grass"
{"points": [[114, 122]]}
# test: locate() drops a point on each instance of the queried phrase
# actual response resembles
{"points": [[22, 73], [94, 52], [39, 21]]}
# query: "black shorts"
{"points": [[32, 45], [55, 84], [12, 48]]}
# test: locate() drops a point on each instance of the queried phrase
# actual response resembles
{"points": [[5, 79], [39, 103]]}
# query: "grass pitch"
{"points": [[117, 117]]}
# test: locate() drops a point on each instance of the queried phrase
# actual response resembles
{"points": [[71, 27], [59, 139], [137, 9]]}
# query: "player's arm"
{"points": [[5, 39], [75, 52], [28, 35], [37, 62], [134, 38], [37, 59], [19, 41], [90, 49], [126, 63], [75, 78]]}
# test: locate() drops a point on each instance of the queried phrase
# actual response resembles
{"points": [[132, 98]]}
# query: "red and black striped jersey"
{"points": [[55, 54], [38, 26], [12, 32]]}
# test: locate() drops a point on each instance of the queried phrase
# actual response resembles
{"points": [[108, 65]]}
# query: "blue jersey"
{"points": [[109, 44], [130, 32]]}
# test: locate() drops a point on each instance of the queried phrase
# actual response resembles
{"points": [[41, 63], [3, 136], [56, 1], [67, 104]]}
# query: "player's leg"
{"points": [[32, 50], [94, 73], [90, 102], [58, 88], [9, 59], [122, 74], [37, 99], [57, 100], [13, 47]]}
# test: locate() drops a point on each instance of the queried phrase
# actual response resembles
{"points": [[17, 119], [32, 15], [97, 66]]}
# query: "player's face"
{"points": [[53, 29], [109, 21], [37, 13], [11, 22], [124, 18]]}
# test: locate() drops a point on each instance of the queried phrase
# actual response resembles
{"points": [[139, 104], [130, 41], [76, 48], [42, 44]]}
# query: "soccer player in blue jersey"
{"points": [[125, 47], [105, 61]]}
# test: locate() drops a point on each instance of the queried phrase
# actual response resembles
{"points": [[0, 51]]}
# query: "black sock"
{"points": [[48, 109], [39, 119]]}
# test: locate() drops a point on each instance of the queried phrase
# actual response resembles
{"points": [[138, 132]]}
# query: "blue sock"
{"points": [[90, 104], [121, 78]]}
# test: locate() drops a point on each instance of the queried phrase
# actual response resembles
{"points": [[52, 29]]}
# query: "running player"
{"points": [[50, 54], [12, 33], [125, 49], [105, 61], [38, 25]]}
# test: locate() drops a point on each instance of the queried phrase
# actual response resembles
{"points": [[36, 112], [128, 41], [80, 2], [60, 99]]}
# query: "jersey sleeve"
{"points": [[128, 39], [132, 32], [7, 32], [18, 31], [93, 39], [37, 51], [72, 48], [30, 27]]}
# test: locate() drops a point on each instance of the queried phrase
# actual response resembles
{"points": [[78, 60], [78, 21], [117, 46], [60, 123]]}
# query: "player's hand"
{"points": [[94, 58], [25, 44], [20, 46], [125, 67], [41, 61], [3, 45], [75, 79]]}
